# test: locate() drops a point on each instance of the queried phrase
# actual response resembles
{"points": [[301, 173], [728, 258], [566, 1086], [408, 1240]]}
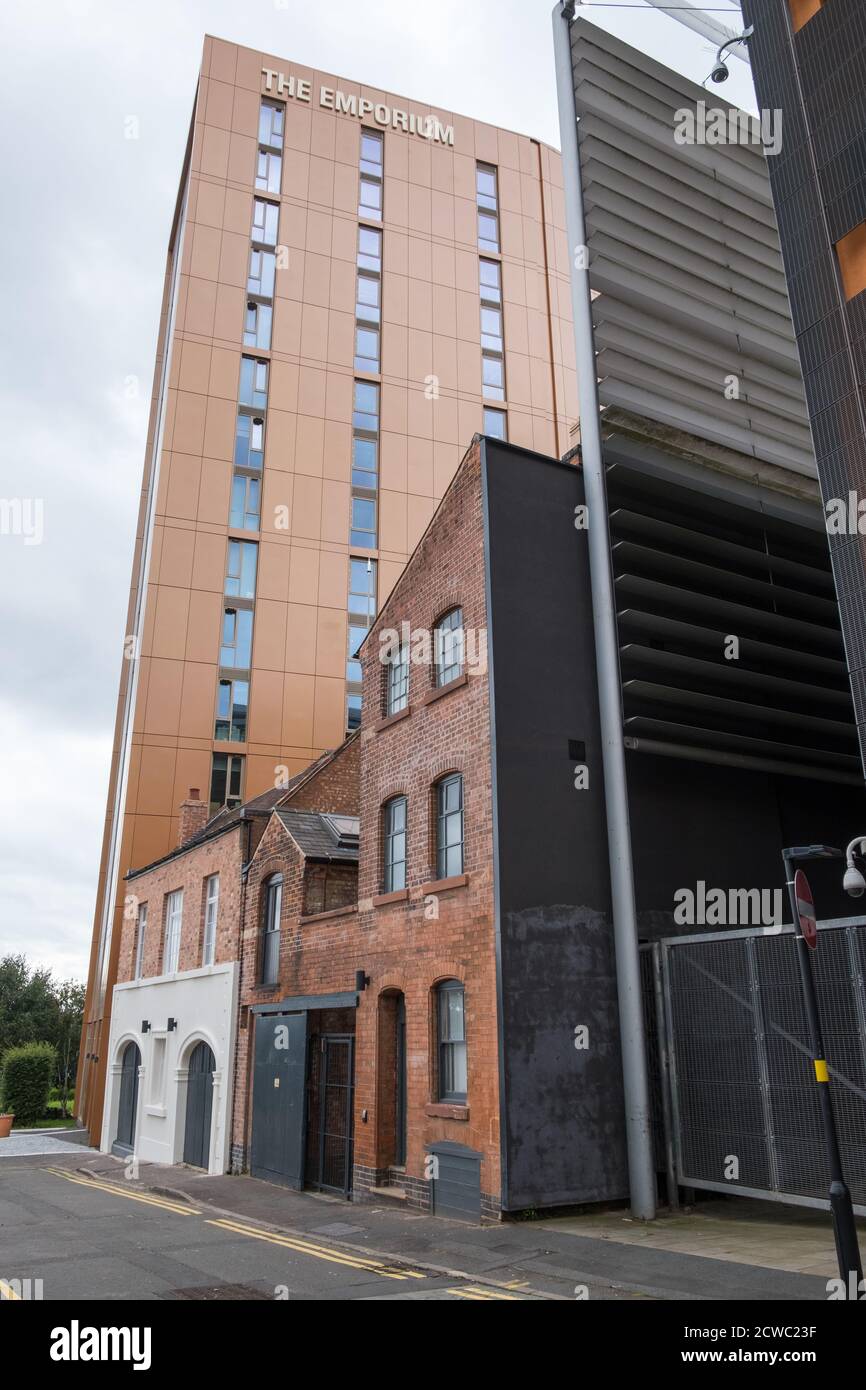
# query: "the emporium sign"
{"points": [[291, 88]]}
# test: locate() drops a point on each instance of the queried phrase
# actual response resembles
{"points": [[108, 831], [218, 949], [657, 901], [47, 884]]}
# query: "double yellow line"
{"points": [[146, 1198], [472, 1291], [319, 1252]]}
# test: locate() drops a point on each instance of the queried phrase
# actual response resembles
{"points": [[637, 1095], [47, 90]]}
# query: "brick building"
{"points": [[172, 1044], [355, 283]]}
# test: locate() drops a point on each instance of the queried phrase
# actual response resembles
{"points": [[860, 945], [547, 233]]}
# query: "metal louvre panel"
{"points": [[693, 569], [684, 260]]}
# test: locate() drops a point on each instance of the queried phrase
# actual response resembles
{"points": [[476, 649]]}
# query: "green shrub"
{"points": [[26, 1081]]}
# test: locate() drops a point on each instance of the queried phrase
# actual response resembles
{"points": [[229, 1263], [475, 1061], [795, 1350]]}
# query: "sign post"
{"points": [[841, 1206]]}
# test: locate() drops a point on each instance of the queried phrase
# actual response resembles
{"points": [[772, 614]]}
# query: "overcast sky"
{"points": [[82, 251]]}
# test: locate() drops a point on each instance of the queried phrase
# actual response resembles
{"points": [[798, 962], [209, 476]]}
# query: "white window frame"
{"points": [[139, 941], [211, 910], [173, 927]]}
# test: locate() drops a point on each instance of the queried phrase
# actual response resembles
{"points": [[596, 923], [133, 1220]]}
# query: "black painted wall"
{"points": [[817, 78], [563, 1135]]}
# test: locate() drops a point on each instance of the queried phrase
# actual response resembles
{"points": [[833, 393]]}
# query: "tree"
{"points": [[70, 1002], [36, 1008], [29, 1010]]}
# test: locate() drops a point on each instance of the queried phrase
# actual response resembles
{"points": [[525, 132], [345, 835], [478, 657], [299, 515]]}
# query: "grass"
{"points": [[53, 1119], [57, 1123]]}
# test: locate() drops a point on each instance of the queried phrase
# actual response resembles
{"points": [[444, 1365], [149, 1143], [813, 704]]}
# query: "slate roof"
{"points": [[317, 838]]}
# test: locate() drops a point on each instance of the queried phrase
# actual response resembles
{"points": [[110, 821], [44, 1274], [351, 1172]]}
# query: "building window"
{"points": [[237, 637], [171, 940], [254, 383], [141, 929], [802, 11], [394, 844], [397, 690], [211, 907], [241, 569], [366, 349], [226, 780], [270, 971], [490, 281], [245, 514], [368, 308], [449, 826], [495, 423], [851, 251], [370, 189], [271, 125], [362, 611], [260, 279], [451, 1030], [488, 207], [266, 221], [269, 171], [448, 644], [492, 377], [257, 325], [233, 698], [370, 249], [365, 455], [249, 441]]}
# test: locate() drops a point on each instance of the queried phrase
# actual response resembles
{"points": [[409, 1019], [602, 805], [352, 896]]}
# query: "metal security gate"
{"points": [[199, 1107], [731, 1068], [329, 1115]]}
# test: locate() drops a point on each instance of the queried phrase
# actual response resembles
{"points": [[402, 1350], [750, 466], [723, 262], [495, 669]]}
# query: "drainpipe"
{"points": [[641, 1163]]}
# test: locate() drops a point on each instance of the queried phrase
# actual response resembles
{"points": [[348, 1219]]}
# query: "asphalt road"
{"points": [[88, 1239]]}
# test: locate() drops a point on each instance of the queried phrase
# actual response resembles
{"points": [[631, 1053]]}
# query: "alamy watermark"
{"points": [[727, 125], [727, 907]]}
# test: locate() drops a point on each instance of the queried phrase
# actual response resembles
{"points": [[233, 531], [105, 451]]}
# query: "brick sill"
{"points": [[392, 719], [441, 690], [383, 899], [324, 916], [443, 885], [447, 1112]]}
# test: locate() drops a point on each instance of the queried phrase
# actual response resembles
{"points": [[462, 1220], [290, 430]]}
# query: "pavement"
{"points": [[90, 1232], [41, 1141]]}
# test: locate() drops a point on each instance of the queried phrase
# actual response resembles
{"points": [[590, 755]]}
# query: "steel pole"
{"points": [[841, 1206], [641, 1164]]}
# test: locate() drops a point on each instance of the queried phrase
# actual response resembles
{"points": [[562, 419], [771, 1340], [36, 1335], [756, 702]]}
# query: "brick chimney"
{"points": [[193, 816]]}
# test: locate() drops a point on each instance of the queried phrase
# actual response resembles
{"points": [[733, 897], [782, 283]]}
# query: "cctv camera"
{"points": [[719, 73], [854, 882]]}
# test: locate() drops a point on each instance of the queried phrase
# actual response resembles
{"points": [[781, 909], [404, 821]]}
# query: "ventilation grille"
{"points": [[730, 645]]}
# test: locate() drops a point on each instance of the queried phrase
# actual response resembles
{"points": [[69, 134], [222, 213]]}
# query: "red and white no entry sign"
{"points": [[805, 909]]}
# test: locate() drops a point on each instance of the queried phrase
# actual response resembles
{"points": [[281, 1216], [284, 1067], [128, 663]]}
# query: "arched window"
{"points": [[273, 899], [394, 844], [451, 1033], [449, 826], [448, 647]]}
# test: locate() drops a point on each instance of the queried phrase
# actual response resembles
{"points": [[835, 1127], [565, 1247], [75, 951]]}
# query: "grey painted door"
{"points": [[279, 1075], [128, 1106], [456, 1181], [199, 1107]]}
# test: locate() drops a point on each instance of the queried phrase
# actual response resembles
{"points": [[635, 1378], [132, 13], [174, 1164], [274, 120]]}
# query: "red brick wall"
{"points": [[317, 957], [403, 945], [223, 855], [335, 787]]}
